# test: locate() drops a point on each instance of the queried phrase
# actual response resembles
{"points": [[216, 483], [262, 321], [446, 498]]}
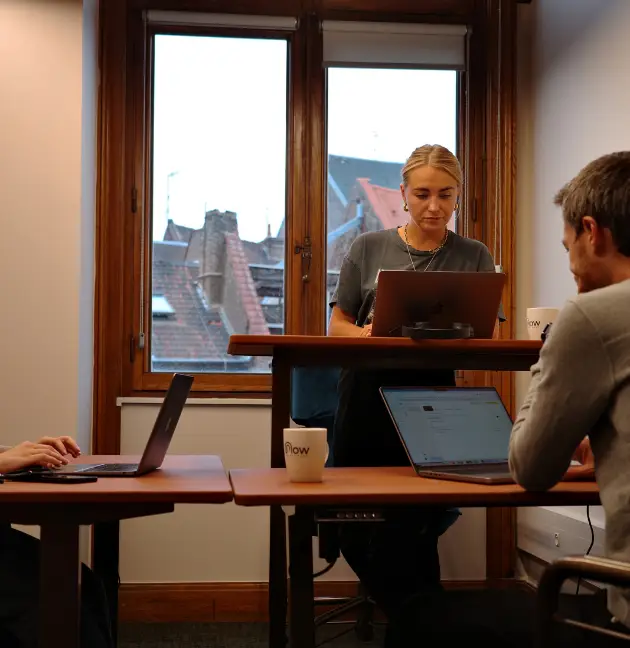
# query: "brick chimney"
{"points": [[217, 225]]}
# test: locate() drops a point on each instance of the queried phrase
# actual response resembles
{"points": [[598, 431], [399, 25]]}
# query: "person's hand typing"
{"points": [[64, 445], [30, 454], [586, 469], [366, 331]]}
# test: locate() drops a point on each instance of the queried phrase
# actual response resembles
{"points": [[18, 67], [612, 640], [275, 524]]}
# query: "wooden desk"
{"points": [[389, 486], [376, 487], [59, 509], [288, 351], [496, 355]]}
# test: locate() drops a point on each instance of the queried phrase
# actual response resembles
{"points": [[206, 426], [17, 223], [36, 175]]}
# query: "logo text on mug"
{"points": [[294, 450]]}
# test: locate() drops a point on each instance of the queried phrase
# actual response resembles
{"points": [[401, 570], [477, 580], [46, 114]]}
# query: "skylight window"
{"points": [[160, 306]]}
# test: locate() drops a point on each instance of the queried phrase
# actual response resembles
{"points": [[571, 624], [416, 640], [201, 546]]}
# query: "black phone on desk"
{"points": [[47, 477]]}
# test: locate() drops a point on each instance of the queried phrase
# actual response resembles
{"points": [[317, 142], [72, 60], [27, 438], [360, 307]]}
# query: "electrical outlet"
{"points": [[556, 539]]}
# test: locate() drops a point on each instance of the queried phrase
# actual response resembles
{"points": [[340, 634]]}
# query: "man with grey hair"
{"points": [[580, 386]]}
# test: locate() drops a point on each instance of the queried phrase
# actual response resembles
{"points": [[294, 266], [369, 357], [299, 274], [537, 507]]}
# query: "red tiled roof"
{"points": [[387, 204], [193, 331], [237, 258]]}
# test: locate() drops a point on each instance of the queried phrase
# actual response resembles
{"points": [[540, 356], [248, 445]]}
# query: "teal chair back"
{"points": [[314, 399]]}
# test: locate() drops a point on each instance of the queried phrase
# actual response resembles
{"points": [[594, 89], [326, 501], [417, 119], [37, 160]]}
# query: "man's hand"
{"points": [[366, 331], [586, 470], [64, 445], [30, 454]]}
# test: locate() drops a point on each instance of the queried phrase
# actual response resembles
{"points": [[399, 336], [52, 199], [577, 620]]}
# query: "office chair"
{"points": [[313, 404], [600, 570]]}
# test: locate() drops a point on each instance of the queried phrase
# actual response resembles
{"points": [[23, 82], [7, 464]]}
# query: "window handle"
{"points": [[306, 251]]}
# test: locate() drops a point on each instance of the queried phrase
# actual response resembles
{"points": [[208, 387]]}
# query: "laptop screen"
{"points": [[450, 426]]}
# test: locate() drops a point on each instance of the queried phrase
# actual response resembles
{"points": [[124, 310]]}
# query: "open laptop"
{"points": [[453, 433], [158, 443], [441, 298]]}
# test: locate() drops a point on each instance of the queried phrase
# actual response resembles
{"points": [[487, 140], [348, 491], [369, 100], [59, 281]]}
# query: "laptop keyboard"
{"points": [[120, 467], [489, 469]]}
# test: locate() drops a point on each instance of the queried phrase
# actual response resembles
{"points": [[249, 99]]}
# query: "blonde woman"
{"points": [[396, 560], [430, 190]]}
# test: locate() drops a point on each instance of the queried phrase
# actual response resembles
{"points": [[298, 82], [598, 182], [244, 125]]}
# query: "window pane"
{"points": [[219, 175], [376, 118]]}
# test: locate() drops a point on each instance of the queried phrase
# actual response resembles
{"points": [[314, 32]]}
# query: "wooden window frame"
{"points": [[120, 367], [143, 379], [487, 93]]}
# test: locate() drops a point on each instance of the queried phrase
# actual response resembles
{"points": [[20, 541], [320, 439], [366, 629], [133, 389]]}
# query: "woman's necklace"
{"points": [[433, 252]]}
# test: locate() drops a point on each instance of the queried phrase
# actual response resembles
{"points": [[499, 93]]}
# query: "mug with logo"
{"points": [[538, 319], [305, 453]]}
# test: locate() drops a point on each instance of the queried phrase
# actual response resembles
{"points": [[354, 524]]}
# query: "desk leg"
{"points": [[59, 587], [301, 603], [280, 416], [277, 579], [105, 563]]}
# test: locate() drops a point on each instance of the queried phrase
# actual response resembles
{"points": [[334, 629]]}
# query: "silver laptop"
{"points": [[158, 442], [453, 433]]}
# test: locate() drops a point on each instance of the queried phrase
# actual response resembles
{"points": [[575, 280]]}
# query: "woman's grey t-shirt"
{"points": [[385, 250]]}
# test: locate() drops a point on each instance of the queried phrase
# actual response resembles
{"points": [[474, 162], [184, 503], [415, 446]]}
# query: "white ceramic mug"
{"points": [[537, 320], [305, 453]]}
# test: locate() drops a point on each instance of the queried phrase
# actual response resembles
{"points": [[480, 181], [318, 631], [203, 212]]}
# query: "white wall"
{"points": [[47, 176], [579, 110], [573, 102], [228, 543]]}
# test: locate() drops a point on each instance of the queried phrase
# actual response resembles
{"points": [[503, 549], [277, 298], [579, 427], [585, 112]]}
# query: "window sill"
{"points": [[238, 402]]}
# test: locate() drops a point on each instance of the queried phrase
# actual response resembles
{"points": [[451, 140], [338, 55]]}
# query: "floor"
{"points": [[219, 635], [510, 613], [482, 607]]}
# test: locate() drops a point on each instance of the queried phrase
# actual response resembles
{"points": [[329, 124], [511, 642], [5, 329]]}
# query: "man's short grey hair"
{"points": [[601, 190]]}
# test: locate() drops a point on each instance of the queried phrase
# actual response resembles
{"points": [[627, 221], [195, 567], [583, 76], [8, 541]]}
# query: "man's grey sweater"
{"points": [[581, 387]]}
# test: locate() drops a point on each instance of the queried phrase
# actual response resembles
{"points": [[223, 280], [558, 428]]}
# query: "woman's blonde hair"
{"points": [[436, 156]]}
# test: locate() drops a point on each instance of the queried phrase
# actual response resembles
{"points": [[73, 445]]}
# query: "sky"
{"points": [[220, 136]]}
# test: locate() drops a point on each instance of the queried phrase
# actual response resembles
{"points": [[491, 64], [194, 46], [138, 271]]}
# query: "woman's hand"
{"points": [[583, 454], [344, 325], [63, 444], [30, 454]]}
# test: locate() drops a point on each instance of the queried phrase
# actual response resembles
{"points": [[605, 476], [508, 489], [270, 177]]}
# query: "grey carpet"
{"points": [[218, 635], [511, 613], [513, 622]]}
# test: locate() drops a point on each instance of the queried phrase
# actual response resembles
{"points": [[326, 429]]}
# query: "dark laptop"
{"points": [[441, 298], [453, 433], [158, 442]]}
